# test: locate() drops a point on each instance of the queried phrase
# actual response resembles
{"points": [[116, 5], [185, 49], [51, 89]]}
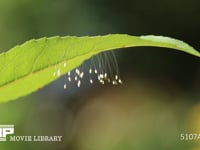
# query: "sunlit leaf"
{"points": [[30, 66]]}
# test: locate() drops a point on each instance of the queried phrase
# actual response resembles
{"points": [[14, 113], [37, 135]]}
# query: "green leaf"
{"points": [[30, 66]]}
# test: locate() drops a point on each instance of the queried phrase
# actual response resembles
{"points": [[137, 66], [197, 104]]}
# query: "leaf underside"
{"points": [[30, 66]]}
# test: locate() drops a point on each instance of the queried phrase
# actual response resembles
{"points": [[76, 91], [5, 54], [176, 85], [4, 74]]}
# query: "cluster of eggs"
{"points": [[99, 69]]}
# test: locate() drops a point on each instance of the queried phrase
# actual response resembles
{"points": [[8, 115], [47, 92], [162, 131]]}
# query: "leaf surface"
{"points": [[30, 66]]}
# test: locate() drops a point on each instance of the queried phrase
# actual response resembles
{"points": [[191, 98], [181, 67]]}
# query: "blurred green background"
{"points": [[158, 101]]}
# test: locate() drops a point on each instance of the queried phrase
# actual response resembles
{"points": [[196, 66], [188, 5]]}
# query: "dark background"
{"points": [[160, 95]]}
